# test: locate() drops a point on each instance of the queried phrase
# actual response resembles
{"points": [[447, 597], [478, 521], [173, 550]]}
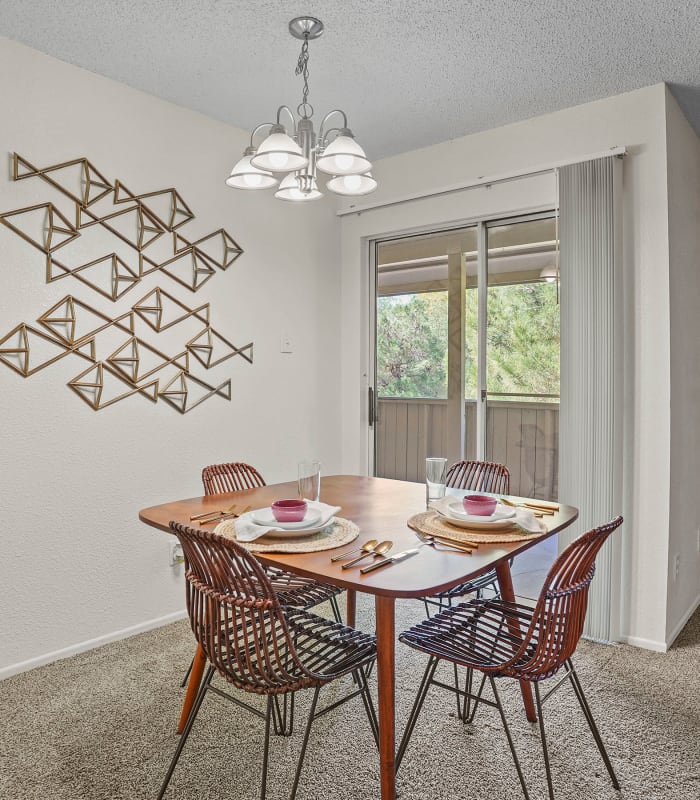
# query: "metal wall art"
{"points": [[122, 364]]}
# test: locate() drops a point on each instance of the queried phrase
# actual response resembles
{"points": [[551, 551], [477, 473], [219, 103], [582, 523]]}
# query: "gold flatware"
{"points": [[531, 506], [376, 550], [428, 538], [463, 542], [221, 515], [341, 556], [213, 513]]}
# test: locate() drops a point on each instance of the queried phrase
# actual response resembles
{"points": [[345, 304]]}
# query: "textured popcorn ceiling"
{"points": [[408, 73]]}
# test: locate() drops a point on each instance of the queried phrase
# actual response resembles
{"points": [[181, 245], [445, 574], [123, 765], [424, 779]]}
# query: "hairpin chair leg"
{"points": [[581, 697], [186, 732], [304, 744], [283, 718], [266, 751], [510, 739], [187, 674], [543, 737], [336, 610], [417, 706], [361, 681]]}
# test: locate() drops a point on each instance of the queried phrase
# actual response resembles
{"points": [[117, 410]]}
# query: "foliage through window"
{"points": [[522, 342]]}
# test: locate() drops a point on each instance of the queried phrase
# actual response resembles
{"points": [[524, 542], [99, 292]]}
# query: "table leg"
{"points": [[351, 607], [505, 583], [192, 686], [384, 607]]}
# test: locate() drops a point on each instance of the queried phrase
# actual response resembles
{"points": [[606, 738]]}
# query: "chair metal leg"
{"points": [[510, 739], [300, 763], [266, 750], [361, 681], [186, 732], [476, 700], [581, 697], [538, 703], [336, 610], [187, 675], [417, 706], [283, 718]]}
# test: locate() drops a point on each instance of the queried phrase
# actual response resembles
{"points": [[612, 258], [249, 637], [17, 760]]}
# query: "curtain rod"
{"points": [[483, 181]]}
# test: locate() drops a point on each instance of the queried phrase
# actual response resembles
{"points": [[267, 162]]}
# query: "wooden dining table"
{"points": [[380, 507]]}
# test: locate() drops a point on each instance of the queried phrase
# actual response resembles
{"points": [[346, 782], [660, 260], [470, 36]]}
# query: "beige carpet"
{"points": [[101, 725]]}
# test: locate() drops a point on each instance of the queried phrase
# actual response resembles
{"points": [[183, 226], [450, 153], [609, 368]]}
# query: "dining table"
{"points": [[380, 507]]}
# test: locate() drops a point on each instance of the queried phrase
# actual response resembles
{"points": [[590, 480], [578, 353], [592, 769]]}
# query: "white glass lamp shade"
{"points": [[352, 184], [245, 176], [279, 153], [549, 274], [289, 190], [344, 156]]}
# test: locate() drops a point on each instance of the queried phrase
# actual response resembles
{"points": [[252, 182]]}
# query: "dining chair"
{"points": [[260, 646], [292, 590], [479, 476], [487, 635]]}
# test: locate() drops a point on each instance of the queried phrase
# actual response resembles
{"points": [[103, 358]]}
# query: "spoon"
{"points": [[378, 550], [371, 543]]}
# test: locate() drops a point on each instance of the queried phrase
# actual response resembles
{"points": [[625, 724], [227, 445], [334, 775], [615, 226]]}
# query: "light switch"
{"points": [[286, 343]]}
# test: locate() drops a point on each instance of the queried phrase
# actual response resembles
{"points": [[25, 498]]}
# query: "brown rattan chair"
{"points": [[479, 476], [292, 590], [487, 635], [260, 646]]}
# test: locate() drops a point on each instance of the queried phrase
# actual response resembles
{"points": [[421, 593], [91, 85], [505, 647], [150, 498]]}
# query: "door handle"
{"points": [[371, 410]]}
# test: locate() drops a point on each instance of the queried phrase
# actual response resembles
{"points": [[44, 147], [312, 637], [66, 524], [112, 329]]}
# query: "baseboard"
{"points": [[646, 644], [682, 622], [89, 644]]}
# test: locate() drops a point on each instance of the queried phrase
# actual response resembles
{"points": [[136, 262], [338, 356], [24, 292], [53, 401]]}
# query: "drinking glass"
{"points": [[309, 482], [435, 471]]}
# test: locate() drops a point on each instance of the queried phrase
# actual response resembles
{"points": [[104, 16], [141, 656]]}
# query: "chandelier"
{"points": [[300, 152]]}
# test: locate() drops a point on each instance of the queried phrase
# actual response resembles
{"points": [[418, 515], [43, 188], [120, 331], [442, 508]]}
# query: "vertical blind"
{"points": [[590, 470]]}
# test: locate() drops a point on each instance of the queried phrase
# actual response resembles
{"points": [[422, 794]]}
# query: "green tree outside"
{"points": [[522, 342]]}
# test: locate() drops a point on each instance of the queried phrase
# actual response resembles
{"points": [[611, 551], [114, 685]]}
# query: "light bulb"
{"points": [[351, 182], [278, 161], [252, 179], [343, 162]]}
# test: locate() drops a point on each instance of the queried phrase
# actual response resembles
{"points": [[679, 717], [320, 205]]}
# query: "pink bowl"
{"points": [[289, 510], [479, 504]]}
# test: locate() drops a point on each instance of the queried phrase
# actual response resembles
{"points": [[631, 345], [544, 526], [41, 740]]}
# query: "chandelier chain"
{"points": [[303, 69]]}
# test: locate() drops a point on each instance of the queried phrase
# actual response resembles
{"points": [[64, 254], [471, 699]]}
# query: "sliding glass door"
{"points": [[464, 373]]}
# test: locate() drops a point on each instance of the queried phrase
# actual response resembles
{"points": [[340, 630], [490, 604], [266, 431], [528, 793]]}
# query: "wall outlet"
{"points": [[676, 566], [286, 343], [176, 554]]}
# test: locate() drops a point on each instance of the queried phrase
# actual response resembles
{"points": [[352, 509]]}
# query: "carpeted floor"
{"points": [[101, 725]]}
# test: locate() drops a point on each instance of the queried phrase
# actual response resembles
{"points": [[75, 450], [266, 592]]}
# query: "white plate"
{"points": [[501, 518], [297, 534], [264, 516]]}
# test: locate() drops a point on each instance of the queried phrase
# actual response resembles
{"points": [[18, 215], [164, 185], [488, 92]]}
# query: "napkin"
{"points": [[524, 518], [249, 531]]}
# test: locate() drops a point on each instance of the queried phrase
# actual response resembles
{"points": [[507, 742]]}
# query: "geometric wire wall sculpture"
{"points": [[72, 327]]}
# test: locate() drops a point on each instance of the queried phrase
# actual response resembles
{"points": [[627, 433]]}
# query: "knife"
{"points": [[391, 559]]}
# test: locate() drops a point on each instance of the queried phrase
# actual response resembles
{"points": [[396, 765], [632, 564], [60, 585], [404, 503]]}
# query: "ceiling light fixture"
{"points": [[301, 153]]}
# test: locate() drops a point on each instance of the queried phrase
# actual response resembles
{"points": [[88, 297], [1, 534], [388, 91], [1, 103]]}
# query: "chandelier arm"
{"points": [[325, 119], [291, 116], [259, 127]]}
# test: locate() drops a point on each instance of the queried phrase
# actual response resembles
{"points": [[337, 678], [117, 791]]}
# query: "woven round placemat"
{"points": [[431, 522], [339, 532]]}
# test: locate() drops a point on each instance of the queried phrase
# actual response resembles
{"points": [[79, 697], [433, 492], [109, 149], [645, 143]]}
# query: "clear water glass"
{"points": [[435, 476], [309, 481]]}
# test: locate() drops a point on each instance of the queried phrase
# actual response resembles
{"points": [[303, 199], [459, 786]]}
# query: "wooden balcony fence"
{"points": [[522, 435]]}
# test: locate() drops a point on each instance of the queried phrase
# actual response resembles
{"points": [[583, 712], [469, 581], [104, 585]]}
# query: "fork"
{"points": [[433, 542]]}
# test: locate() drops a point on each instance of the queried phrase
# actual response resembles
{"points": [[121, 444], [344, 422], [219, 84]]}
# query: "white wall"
{"points": [[637, 120], [75, 563], [684, 252]]}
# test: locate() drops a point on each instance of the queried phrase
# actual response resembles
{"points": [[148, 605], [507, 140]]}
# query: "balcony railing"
{"points": [[522, 435]]}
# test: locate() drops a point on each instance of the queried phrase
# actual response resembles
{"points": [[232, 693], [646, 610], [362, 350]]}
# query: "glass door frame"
{"points": [[482, 225]]}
